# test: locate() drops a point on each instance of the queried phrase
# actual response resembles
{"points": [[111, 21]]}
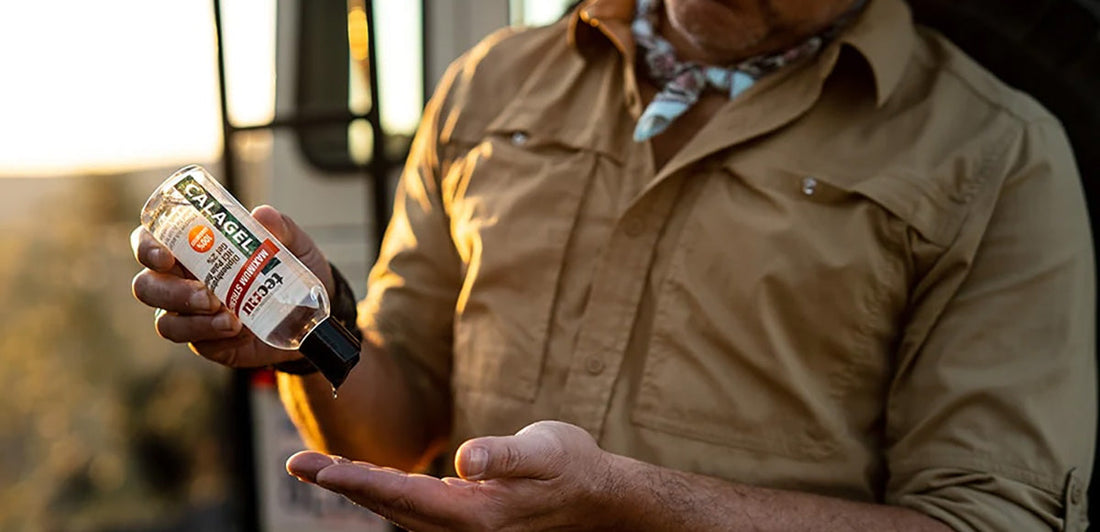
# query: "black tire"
{"points": [[1049, 49]]}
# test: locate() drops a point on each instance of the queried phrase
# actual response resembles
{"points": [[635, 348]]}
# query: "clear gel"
{"points": [[273, 294]]}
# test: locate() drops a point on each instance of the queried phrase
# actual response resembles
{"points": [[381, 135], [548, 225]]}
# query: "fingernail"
{"points": [[157, 257], [476, 459], [223, 322], [340, 459], [200, 300], [284, 228]]}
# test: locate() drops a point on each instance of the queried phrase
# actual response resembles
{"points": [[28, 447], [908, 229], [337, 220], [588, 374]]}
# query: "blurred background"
{"points": [[307, 105]]}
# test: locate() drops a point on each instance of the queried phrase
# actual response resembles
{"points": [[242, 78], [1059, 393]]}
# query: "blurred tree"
{"points": [[105, 426]]}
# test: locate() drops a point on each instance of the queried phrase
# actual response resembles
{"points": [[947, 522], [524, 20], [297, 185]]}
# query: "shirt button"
{"points": [[594, 365], [633, 227], [519, 138], [809, 186]]}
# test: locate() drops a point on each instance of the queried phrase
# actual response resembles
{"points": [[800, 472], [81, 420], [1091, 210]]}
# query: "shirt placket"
{"points": [[618, 282], [622, 270]]}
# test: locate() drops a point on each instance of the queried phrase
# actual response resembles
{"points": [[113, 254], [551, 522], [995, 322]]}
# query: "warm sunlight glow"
{"points": [[536, 12], [399, 41], [115, 85], [357, 33], [249, 28], [106, 85]]}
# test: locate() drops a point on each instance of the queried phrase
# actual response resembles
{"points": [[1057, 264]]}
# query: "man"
{"points": [[786, 264]]}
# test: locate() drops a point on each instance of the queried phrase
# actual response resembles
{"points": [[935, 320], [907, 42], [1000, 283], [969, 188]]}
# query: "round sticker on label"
{"points": [[201, 238]]}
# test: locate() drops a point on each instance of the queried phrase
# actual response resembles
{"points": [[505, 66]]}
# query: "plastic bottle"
{"points": [[273, 294]]}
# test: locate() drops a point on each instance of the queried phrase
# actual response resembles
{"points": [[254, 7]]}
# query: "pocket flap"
{"points": [[914, 199]]}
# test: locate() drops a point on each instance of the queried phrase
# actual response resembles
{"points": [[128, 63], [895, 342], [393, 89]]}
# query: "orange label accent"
{"points": [[201, 238]]}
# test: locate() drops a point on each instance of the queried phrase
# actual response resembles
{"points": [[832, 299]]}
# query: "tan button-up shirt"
{"points": [[870, 276]]}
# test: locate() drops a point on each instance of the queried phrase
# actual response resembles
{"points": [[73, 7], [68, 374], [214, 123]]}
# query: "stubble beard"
{"points": [[725, 32]]}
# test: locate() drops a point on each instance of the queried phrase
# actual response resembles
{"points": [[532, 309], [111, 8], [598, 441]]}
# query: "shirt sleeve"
{"points": [[414, 284], [991, 416]]}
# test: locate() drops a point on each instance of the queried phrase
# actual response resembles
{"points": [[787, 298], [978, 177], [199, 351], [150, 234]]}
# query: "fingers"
{"points": [[192, 314], [288, 232], [197, 328], [416, 502], [538, 451], [242, 350], [156, 257], [149, 252], [174, 293], [306, 464], [275, 222]]}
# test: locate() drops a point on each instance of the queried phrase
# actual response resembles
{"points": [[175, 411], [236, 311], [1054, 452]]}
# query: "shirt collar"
{"points": [[883, 35], [603, 20]]}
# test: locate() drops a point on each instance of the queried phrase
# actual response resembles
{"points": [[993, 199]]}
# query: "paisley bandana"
{"points": [[683, 82]]}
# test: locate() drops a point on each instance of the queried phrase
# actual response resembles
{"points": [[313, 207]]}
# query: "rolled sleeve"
{"points": [[992, 412], [413, 286], [978, 495]]}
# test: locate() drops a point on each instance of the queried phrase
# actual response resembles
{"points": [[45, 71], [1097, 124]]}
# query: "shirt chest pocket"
{"points": [[775, 316], [513, 201]]}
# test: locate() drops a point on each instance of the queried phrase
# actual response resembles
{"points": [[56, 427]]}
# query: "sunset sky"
{"points": [[120, 84]]}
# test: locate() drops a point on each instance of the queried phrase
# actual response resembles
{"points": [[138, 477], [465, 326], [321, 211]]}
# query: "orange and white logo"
{"points": [[201, 238]]}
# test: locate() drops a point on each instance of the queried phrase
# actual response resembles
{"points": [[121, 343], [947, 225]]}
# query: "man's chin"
{"points": [[723, 50], [723, 30]]}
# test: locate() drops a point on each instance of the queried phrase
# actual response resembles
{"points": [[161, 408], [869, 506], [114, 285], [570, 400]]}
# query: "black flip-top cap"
{"points": [[332, 349]]}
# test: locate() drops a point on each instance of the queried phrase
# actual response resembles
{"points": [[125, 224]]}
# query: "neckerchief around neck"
{"points": [[683, 81]]}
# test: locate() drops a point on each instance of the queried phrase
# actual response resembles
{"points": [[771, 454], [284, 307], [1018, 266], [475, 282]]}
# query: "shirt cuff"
{"points": [[973, 499]]}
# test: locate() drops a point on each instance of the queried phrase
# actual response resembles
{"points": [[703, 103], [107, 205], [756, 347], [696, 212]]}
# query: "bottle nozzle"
{"points": [[332, 349]]}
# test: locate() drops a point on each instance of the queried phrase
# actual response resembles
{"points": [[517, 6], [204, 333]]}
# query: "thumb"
{"points": [[538, 451], [283, 228], [296, 240]]}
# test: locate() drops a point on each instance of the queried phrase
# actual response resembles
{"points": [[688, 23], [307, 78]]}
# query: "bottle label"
{"points": [[225, 223], [240, 265], [235, 244], [261, 260]]}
